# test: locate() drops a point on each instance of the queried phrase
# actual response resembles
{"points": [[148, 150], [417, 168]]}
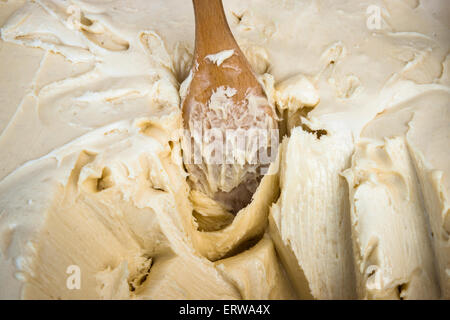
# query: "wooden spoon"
{"points": [[213, 36]]}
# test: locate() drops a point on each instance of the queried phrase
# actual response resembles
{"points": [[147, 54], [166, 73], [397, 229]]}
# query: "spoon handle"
{"points": [[212, 33]]}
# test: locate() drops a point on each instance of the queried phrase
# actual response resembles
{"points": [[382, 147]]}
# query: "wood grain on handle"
{"points": [[212, 33]]}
